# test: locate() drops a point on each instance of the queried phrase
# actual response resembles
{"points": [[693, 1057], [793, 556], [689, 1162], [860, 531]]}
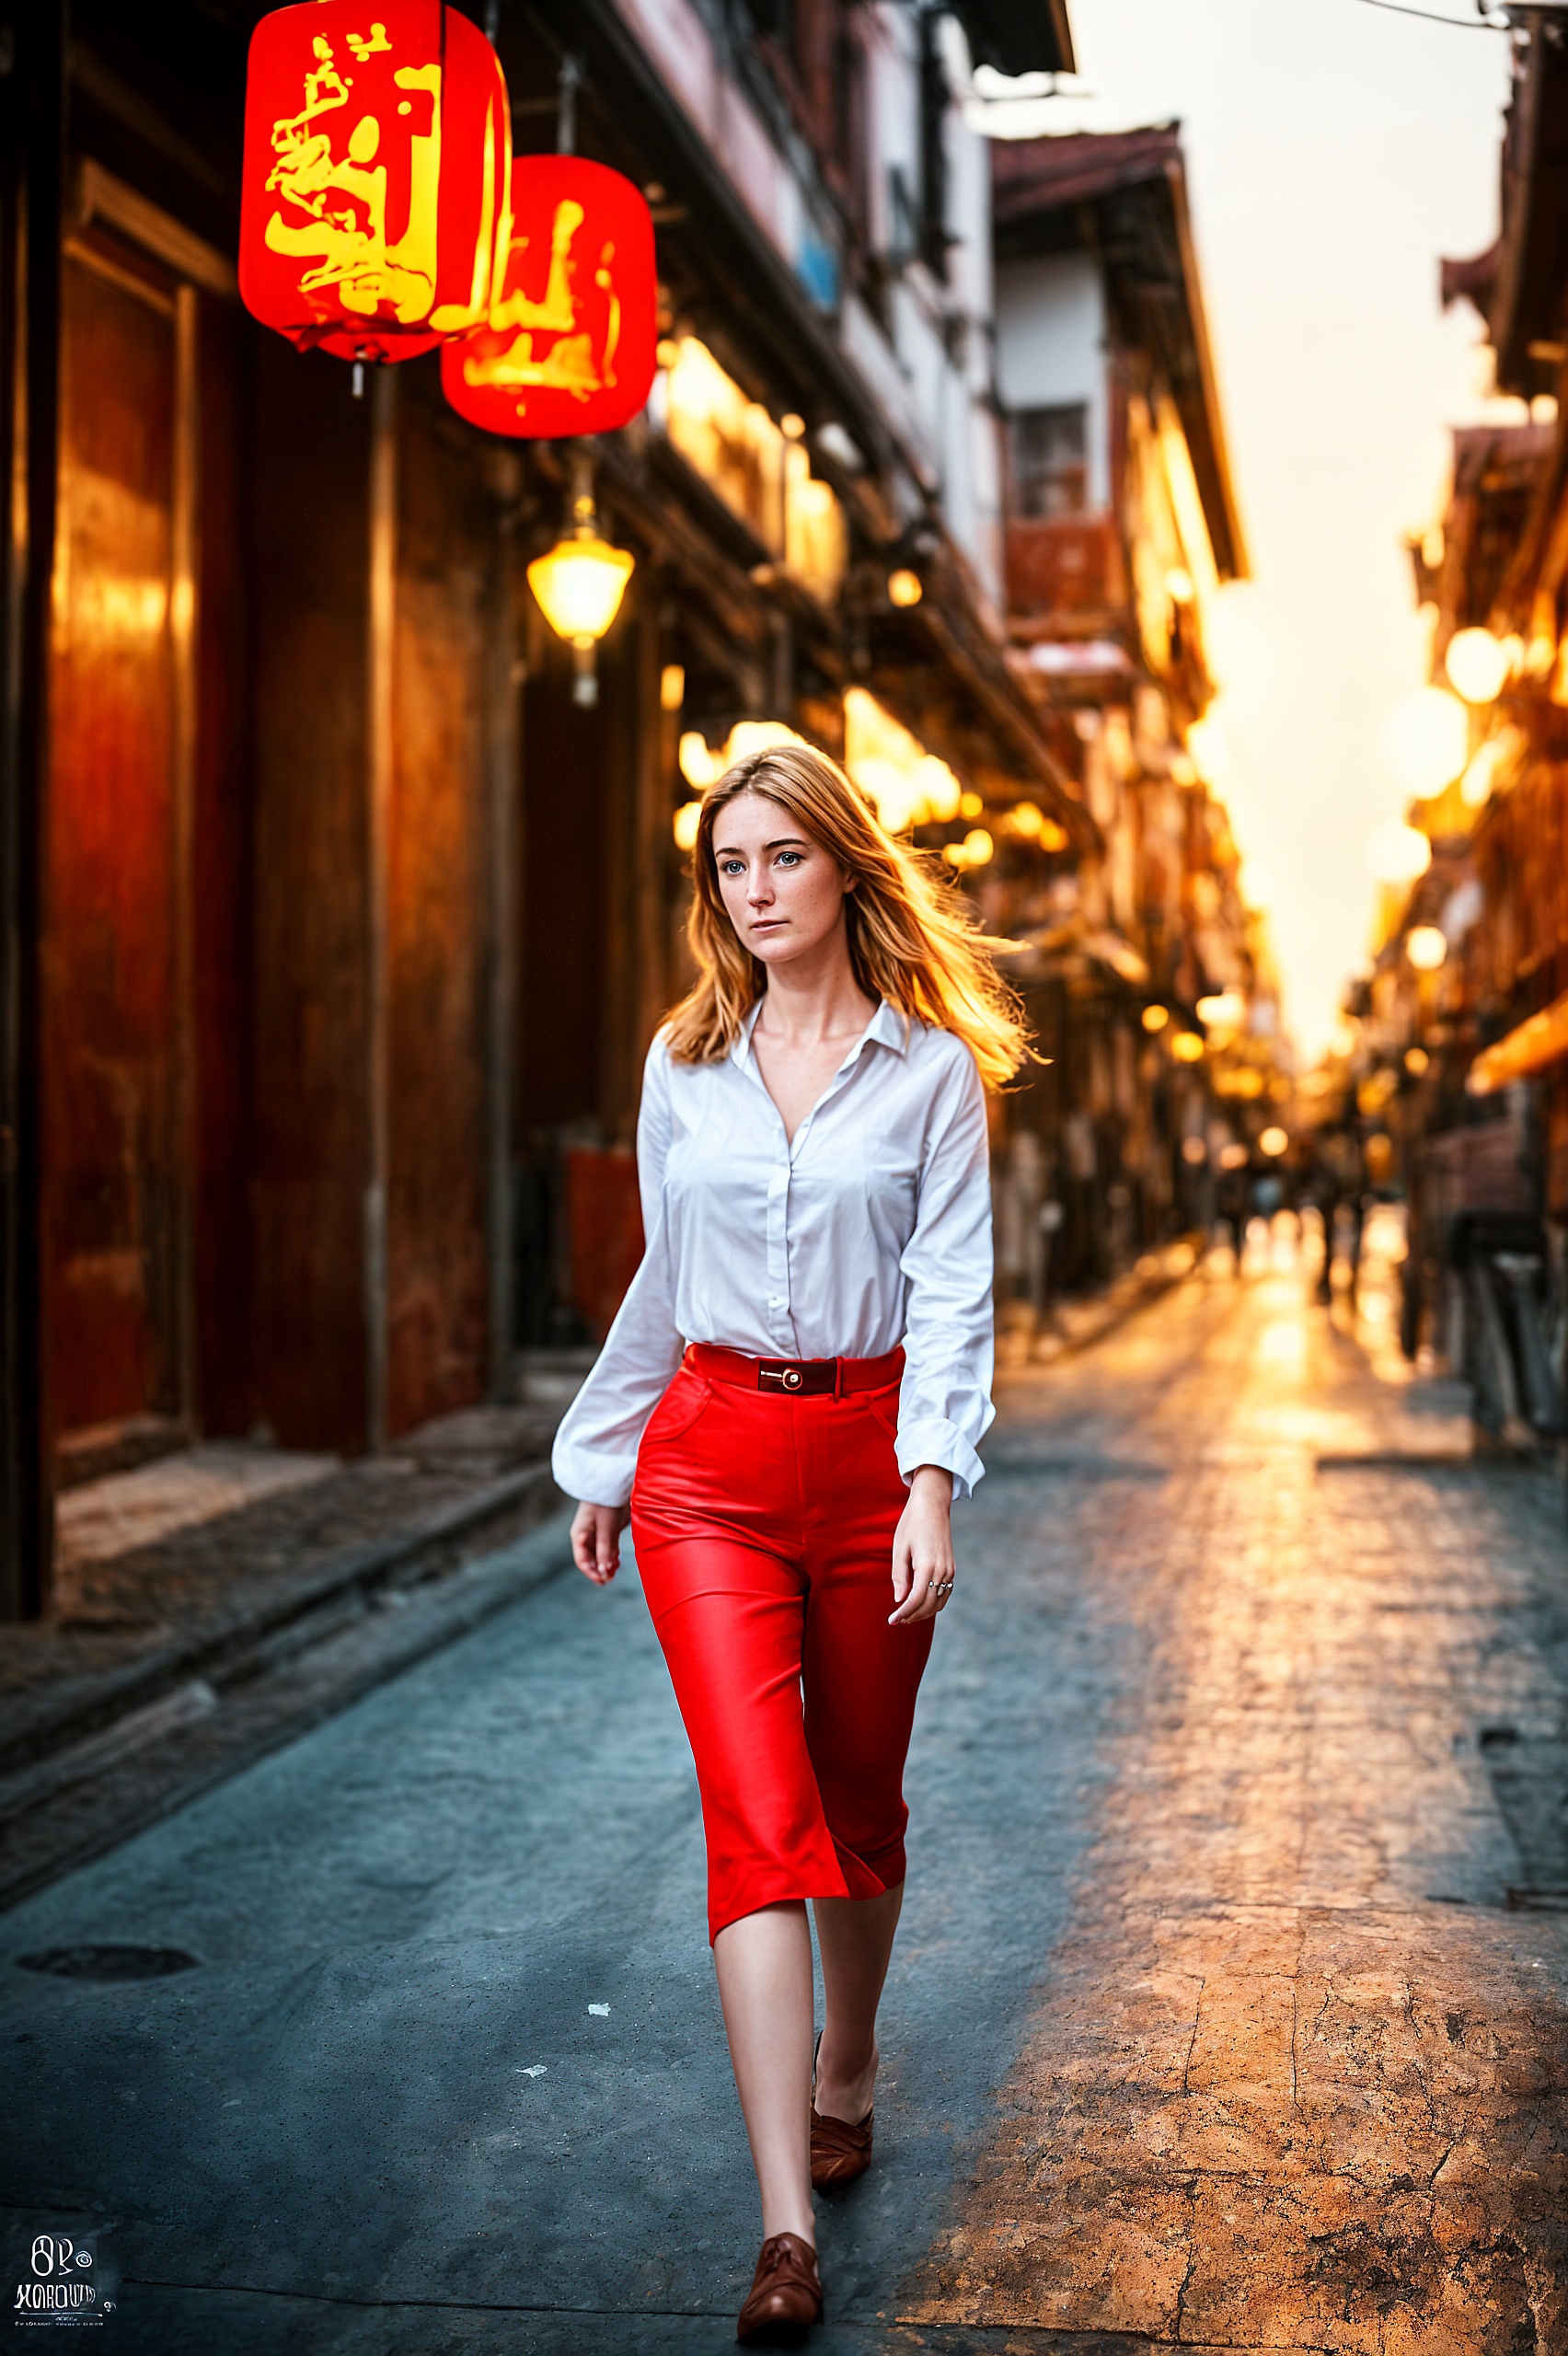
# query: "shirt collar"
{"points": [[741, 1048], [887, 1028]]}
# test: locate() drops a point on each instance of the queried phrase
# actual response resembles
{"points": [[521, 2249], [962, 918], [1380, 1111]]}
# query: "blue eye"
{"points": [[792, 856]]}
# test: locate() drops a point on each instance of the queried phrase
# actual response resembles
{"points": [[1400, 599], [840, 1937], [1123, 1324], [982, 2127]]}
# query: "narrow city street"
{"points": [[1230, 2009]]}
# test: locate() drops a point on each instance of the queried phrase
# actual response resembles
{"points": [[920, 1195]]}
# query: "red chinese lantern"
{"points": [[377, 151], [569, 344]]}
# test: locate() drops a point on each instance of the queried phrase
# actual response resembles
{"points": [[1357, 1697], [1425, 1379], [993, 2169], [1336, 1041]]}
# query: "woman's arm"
{"points": [[944, 1404], [595, 1455]]}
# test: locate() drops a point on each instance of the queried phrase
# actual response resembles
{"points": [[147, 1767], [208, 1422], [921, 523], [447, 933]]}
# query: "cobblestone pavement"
{"points": [[1232, 2010]]}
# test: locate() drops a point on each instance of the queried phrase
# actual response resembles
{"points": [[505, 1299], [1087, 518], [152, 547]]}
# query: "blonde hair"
{"points": [[913, 939]]}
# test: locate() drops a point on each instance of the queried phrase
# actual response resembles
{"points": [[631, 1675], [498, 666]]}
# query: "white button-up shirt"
{"points": [[872, 1227]]}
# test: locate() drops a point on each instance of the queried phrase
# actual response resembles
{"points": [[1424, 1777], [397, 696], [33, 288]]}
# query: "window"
{"points": [[1050, 461]]}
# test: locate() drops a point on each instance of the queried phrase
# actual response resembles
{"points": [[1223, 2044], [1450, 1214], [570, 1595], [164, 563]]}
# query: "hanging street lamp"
{"points": [[579, 583]]}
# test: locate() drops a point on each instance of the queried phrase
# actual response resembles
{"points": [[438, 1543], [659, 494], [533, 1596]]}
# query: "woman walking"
{"points": [[789, 1400]]}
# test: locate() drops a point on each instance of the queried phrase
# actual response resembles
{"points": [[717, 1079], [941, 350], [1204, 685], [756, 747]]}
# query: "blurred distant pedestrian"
{"points": [[1342, 1187], [1232, 1207]]}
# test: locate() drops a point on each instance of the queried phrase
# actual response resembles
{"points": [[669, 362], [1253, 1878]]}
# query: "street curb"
{"points": [[75, 1805], [221, 1653]]}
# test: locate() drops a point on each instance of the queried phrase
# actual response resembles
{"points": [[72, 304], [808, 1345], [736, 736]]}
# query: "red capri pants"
{"points": [[764, 1525]]}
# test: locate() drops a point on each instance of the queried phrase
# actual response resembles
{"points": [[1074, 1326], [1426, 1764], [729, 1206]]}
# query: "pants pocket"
{"points": [[678, 1410], [883, 1406]]}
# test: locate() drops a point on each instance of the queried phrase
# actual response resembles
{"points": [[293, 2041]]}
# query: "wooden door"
{"points": [[116, 1067]]}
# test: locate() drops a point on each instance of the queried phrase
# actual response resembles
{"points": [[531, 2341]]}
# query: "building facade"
{"points": [[1458, 1044], [1147, 971]]}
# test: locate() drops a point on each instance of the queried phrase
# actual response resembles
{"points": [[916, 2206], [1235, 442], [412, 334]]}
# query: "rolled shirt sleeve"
{"points": [[594, 1456], [945, 1403]]}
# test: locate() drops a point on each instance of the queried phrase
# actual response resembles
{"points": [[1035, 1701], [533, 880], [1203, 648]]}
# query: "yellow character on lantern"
{"points": [[570, 364], [348, 238]]}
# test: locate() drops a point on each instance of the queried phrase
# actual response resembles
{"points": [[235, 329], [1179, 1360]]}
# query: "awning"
{"points": [[1527, 1049], [1019, 35]]}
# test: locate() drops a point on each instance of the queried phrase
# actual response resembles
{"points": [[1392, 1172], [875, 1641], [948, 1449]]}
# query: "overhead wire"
{"points": [[1428, 16]]}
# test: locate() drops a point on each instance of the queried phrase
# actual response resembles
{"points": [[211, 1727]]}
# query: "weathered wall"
{"points": [[309, 493], [438, 932]]}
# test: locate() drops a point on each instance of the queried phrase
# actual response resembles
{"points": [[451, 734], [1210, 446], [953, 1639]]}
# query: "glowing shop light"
{"points": [[687, 820], [1225, 1011], [1425, 741], [1187, 1048], [672, 687], [1478, 664], [698, 764], [1480, 777], [1155, 1018], [1417, 1061], [1274, 1141], [904, 588], [1426, 948], [1397, 853], [909, 786]]}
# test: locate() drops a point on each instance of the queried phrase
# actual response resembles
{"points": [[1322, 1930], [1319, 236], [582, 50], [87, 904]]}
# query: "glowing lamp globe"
{"points": [[1155, 1018], [904, 588], [1273, 1141], [569, 342], [1187, 1048], [1397, 853], [1426, 948], [377, 149], [1425, 741], [1478, 664], [1226, 1010], [580, 585]]}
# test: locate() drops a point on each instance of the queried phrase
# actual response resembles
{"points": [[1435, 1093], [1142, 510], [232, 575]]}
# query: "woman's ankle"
{"points": [[836, 2085], [786, 2217]]}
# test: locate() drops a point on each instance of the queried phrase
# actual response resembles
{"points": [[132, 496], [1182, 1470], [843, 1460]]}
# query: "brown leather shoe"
{"points": [[840, 2153], [786, 2295]]}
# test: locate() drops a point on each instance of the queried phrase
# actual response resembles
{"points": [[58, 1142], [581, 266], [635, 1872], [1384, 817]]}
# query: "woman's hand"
{"points": [[922, 1548], [595, 1540]]}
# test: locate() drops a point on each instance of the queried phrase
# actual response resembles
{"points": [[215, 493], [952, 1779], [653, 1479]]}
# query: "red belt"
{"points": [[794, 1377]]}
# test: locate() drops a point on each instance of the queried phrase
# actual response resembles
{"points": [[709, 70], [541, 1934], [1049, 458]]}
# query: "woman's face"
{"points": [[784, 893]]}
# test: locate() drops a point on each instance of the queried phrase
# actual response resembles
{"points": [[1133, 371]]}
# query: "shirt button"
{"points": [[776, 1301]]}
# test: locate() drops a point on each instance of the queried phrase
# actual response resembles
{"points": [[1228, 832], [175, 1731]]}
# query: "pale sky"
{"points": [[1333, 153]]}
